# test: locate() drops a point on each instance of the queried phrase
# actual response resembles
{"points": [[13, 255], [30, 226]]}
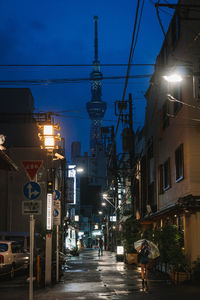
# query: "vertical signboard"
{"points": [[72, 174], [56, 212], [49, 211], [70, 190]]}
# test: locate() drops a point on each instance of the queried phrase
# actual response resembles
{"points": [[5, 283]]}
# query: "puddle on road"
{"points": [[84, 287], [75, 271]]}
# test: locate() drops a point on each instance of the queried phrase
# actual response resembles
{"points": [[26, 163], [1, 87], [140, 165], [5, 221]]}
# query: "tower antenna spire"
{"points": [[96, 107], [96, 38]]}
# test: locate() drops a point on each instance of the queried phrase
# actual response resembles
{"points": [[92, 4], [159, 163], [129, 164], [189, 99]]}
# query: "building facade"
{"points": [[171, 165], [19, 125]]}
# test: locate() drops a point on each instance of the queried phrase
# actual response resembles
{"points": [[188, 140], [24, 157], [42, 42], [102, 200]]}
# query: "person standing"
{"points": [[144, 251], [100, 250]]}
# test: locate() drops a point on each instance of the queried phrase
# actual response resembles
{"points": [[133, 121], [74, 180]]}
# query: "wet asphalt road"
{"points": [[91, 277]]}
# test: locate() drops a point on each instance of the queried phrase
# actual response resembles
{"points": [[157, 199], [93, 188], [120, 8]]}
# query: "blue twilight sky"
{"points": [[62, 32]]}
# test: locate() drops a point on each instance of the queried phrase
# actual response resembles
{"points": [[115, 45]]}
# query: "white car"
{"points": [[13, 257]]}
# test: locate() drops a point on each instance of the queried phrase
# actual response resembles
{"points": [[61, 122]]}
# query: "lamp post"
{"points": [[49, 138]]}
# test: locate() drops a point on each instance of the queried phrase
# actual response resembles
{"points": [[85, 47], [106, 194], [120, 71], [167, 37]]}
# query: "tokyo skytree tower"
{"points": [[96, 107]]}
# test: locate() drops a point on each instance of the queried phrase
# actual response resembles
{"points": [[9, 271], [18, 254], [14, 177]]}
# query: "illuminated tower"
{"points": [[96, 107]]}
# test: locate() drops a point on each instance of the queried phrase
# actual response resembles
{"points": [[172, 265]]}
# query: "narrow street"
{"points": [[90, 277]]}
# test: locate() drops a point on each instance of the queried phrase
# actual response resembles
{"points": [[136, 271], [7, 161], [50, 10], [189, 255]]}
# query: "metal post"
{"points": [[107, 232], [32, 224], [38, 269], [57, 253], [48, 259]]}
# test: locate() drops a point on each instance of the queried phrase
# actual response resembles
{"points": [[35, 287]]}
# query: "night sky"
{"points": [[62, 32]]}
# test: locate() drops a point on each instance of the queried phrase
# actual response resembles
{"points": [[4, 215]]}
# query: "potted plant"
{"points": [[196, 269], [172, 256], [131, 233], [181, 271]]}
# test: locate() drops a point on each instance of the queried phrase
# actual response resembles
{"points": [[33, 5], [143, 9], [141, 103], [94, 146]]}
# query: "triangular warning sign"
{"points": [[31, 167]]}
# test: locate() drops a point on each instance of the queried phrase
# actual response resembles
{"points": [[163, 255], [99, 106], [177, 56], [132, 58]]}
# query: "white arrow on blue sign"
{"points": [[56, 195], [32, 190]]}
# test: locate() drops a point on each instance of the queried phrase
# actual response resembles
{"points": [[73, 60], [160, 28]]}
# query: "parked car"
{"points": [[13, 257]]}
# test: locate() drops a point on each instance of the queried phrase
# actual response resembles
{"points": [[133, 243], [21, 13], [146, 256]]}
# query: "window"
{"points": [[166, 174], [177, 95], [165, 178], [175, 30], [161, 189], [165, 117], [3, 247], [196, 79], [179, 163], [150, 160]]}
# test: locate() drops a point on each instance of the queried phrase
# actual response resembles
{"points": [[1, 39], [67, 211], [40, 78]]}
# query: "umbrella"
{"points": [[154, 251]]}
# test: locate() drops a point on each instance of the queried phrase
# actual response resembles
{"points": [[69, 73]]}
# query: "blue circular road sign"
{"points": [[32, 190], [56, 195], [55, 212]]}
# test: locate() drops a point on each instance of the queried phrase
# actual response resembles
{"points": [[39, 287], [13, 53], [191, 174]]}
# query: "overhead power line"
{"points": [[73, 65], [65, 80]]}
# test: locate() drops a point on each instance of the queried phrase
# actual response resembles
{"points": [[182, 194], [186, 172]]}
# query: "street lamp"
{"points": [[173, 78], [48, 136], [49, 139], [105, 197]]}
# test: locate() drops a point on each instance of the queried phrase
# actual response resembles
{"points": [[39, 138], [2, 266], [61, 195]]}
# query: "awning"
{"points": [[186, 204]]}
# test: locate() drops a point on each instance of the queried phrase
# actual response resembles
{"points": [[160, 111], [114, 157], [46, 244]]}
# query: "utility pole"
{"points": [[131, 150], [124, 110]]}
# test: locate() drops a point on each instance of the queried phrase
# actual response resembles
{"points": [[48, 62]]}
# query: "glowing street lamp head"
{"points": [[79, 170], [173, 78], [48, 130], [103, 204], [49, 142]]}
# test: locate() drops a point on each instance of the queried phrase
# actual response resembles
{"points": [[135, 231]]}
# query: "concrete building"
{"points": [[18, 125], [172, 132]]}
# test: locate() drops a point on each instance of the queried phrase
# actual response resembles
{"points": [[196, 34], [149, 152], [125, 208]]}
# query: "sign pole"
{"points": [[57, 253], [32, 224], [56, 221]]}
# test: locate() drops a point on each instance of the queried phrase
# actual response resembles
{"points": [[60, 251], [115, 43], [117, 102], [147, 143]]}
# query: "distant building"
{"points": [[75, 150]]}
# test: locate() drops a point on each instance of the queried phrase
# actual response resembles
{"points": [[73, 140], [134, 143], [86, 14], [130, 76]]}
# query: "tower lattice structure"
{"points": [[96, 107]]}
